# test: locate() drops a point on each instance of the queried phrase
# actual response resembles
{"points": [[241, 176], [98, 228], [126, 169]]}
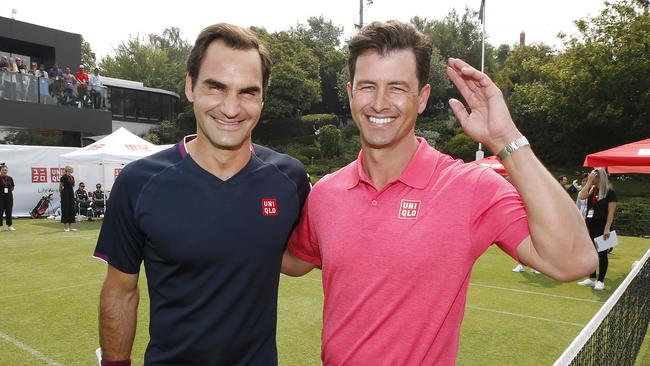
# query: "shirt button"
{"points": [[373, 202]]}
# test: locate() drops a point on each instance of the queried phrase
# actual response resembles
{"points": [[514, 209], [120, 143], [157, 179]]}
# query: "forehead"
{"points": [[231, 66], [398, 65]]}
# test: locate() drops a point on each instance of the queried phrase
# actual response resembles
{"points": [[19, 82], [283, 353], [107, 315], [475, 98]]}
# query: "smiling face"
{"points": [[384, 98], [227, 95], [4, 170]]}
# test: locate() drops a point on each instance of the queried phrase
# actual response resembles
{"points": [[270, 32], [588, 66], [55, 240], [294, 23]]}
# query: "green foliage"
{"points": [[321, 118], [461, 146], [594, 95], [329, 139], [322, 36], [295, 79], [310, 152], [88, 57], [158, 61], [633, 216]]}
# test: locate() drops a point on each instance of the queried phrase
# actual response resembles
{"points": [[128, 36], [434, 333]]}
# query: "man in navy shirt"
{"points": [[209, 217]]}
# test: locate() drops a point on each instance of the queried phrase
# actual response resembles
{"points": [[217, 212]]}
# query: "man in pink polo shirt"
{"points": [[396, 232]]}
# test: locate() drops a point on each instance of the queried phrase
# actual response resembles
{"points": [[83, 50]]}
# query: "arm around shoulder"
{"points": [[294, 266], [118, 305]]}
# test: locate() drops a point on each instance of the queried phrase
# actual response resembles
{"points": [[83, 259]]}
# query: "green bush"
{"points": [[461, 146], [303, 159], [329, 139], [633, 216], [322, 118], [311, 152]]}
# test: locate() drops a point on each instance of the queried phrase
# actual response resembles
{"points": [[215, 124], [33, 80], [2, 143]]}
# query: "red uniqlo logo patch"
{"points": [[39, 175], [269, 207], [408, 209]]}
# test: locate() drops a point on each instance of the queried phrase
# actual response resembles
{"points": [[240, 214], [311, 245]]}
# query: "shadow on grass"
{"points": [[538, 280]]}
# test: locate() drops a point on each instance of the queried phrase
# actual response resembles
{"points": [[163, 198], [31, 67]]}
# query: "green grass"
{"points": [[50, 286]]}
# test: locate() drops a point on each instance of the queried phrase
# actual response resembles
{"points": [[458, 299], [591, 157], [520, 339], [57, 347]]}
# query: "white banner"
{"points": [[36, 171]]}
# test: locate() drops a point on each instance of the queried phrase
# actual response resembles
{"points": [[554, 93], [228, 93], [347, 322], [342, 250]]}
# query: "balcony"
{"points": [[50, 104]]}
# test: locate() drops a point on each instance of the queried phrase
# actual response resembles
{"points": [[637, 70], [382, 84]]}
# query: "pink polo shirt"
{"points": [[396, 263]]}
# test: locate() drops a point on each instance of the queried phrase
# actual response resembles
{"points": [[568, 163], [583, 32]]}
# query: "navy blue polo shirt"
{"points": [[212, 252]]}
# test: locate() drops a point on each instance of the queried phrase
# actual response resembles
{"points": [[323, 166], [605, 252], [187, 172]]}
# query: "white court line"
{"points": [[536, 293], [525, 316], [29, 349], [48, 290]]}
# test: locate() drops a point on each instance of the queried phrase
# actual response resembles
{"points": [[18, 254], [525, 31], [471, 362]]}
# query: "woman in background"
{"points": [[601, 206], [66, 189], [6, 197]]}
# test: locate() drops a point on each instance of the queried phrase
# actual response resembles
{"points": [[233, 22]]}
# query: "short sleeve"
{"points": [[611, 196], [302, 242], [121, 241], [498, 215]]}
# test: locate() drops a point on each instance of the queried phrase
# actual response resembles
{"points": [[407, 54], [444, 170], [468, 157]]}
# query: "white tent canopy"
{"points": [[111, 153], [120, 147]]}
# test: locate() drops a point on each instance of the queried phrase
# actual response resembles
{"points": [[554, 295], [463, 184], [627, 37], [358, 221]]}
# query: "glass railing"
{"points": [[31, 89]]}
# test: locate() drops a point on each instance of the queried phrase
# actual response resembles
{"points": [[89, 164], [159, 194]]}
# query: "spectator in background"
{"points": [[82, 85], [43, 84], [571, 189], [55, 72], [69, 91], [66, 190], [34, 69], [582, 204], [4, 64], [9, 80], [20, 66], [41, 73], [99, 201], [601, 206], [96, 88], [6, 196], [83, 201]]}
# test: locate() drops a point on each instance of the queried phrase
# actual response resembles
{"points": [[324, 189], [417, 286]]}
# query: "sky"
{"points": [[105, 24]]}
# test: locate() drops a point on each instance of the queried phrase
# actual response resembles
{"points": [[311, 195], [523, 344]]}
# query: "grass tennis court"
{"points": [[50, 286]]}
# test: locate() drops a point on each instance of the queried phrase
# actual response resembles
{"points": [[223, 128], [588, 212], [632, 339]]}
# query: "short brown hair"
{"points": [[235, 37], [390, 36]]}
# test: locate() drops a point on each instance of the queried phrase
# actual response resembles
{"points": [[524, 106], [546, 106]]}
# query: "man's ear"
{"points": [[189, 92]]}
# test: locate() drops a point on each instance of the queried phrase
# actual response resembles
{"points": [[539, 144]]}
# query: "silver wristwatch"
{"points": [[513, 146]]}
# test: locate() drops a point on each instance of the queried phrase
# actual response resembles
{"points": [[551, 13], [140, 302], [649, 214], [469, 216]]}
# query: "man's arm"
{"points": [[294, 266], [559, 244], [118, 305]]}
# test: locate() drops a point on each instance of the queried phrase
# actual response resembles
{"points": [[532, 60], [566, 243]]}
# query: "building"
{"points": [[39, 111]]}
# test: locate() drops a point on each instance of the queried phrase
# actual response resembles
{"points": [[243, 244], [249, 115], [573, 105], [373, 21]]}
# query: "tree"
{"points": [[596, 94], [158, 61], [88, 57], [329, 139], [323, 37], [295, 80], [461, 146]]}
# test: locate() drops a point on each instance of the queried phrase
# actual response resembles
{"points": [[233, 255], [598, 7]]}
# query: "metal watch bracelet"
{"points": [[515, 145]]}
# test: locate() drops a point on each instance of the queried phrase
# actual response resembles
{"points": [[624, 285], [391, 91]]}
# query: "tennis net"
{"points": [[615, 334]]}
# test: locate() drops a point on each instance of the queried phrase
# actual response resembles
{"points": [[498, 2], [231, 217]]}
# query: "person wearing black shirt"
{"points": [[6, 196], [601, 206], [83, 201], [99, 201]]}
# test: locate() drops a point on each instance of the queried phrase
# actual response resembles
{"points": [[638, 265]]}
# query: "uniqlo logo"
{"points": [[55, 174], [95, 147], [39, 175], [117, 172], [269, 207], [132, 147], [408, 209]]}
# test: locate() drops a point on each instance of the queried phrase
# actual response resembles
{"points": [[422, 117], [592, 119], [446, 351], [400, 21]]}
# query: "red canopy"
{"points": [[629, 158], [494, 163]]}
